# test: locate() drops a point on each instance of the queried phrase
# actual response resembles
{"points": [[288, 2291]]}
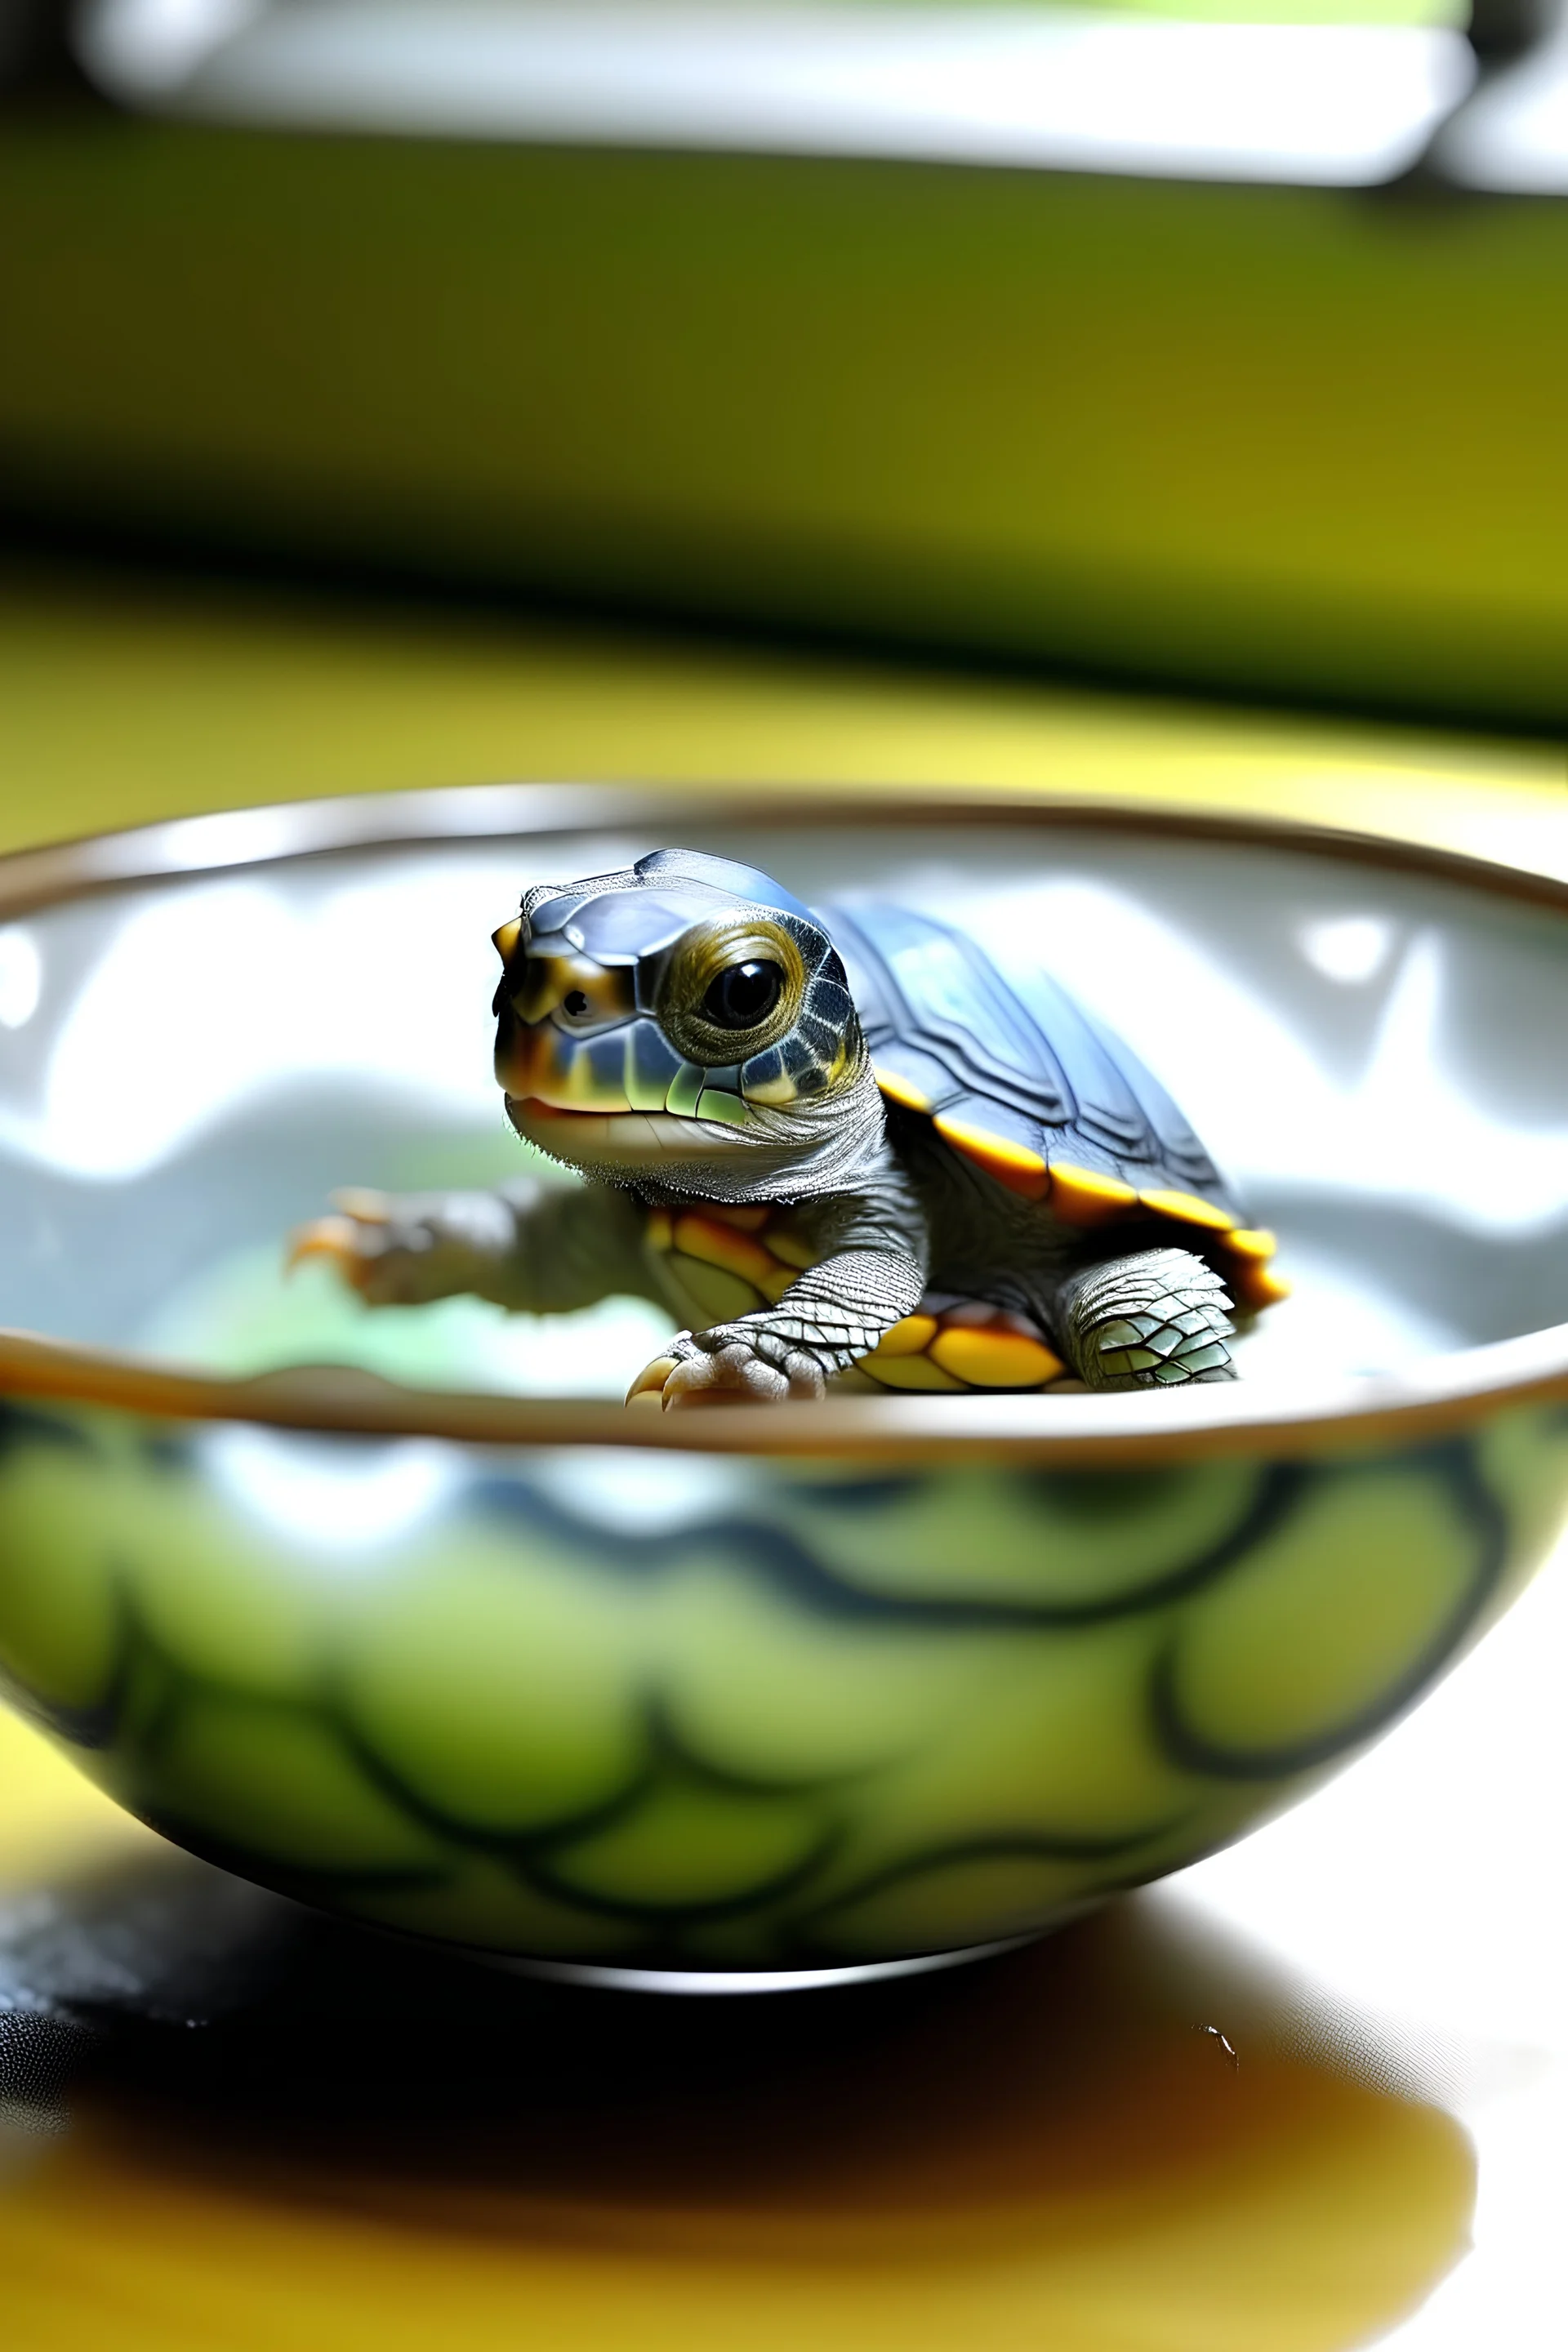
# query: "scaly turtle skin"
{"points": [[840, 1143]]}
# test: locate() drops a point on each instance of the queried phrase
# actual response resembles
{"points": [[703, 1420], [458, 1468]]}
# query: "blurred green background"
{"points": [[1269, 440]]}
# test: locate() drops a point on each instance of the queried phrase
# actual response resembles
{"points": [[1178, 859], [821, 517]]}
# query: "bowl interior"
{"points": [[187, 1066]]}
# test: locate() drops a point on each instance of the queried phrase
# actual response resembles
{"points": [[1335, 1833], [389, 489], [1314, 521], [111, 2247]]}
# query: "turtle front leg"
{"points": [[834, 1315], [540, 1249], [1158, 1319]]}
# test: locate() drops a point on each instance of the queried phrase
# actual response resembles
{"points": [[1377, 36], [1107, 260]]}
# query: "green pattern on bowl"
{"points": [[823, 1715]]}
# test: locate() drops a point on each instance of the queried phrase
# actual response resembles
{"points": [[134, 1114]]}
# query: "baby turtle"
{"points": [[838, 1142]]}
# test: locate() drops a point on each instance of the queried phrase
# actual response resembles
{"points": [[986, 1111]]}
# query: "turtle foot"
{"points": [[722, 1367], [1159, 1319], [403, 1252]]}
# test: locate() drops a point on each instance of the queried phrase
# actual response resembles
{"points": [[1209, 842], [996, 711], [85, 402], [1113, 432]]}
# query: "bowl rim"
{"points": [[1426, 1400]]}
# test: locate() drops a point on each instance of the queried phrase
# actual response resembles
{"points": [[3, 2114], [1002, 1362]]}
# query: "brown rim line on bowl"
{"points": [[1446, 1393], [1443, 1392]]}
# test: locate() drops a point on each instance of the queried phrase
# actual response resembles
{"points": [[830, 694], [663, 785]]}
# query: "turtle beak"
{"points": [[505, 942], [560, 1037], [538, 1062], [526, 1062]]}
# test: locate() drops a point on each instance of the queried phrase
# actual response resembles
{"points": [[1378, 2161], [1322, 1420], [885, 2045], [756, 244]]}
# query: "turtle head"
{"points": [[685, 1014]]}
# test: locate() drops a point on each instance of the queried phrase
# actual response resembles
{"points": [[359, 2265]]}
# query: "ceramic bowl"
{"points": [[402, 1613]]}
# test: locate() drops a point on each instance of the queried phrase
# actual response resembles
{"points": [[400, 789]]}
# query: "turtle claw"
{"points": [[649, 1384], [395, 1253], [350, 1239], [335, 1238]]}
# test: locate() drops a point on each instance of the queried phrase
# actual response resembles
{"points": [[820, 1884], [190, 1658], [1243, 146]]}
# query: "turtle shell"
{"points": [[1021, 1082]]}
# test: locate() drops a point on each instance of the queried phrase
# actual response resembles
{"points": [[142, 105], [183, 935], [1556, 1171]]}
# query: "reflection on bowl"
{"points": [[795, 1690]]}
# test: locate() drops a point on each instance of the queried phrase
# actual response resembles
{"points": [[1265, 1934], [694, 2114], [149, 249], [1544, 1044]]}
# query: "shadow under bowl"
{"points": [[328, 1597]]}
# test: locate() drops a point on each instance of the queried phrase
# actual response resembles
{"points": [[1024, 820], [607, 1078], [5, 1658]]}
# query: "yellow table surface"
{"points": [[122, 701], [1064, 2156], [1060, 2156]]}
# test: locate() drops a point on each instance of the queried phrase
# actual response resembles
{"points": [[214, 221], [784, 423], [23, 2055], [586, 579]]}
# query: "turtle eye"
{"points": [[732, 986], [575, 1002], [743, 994]]}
